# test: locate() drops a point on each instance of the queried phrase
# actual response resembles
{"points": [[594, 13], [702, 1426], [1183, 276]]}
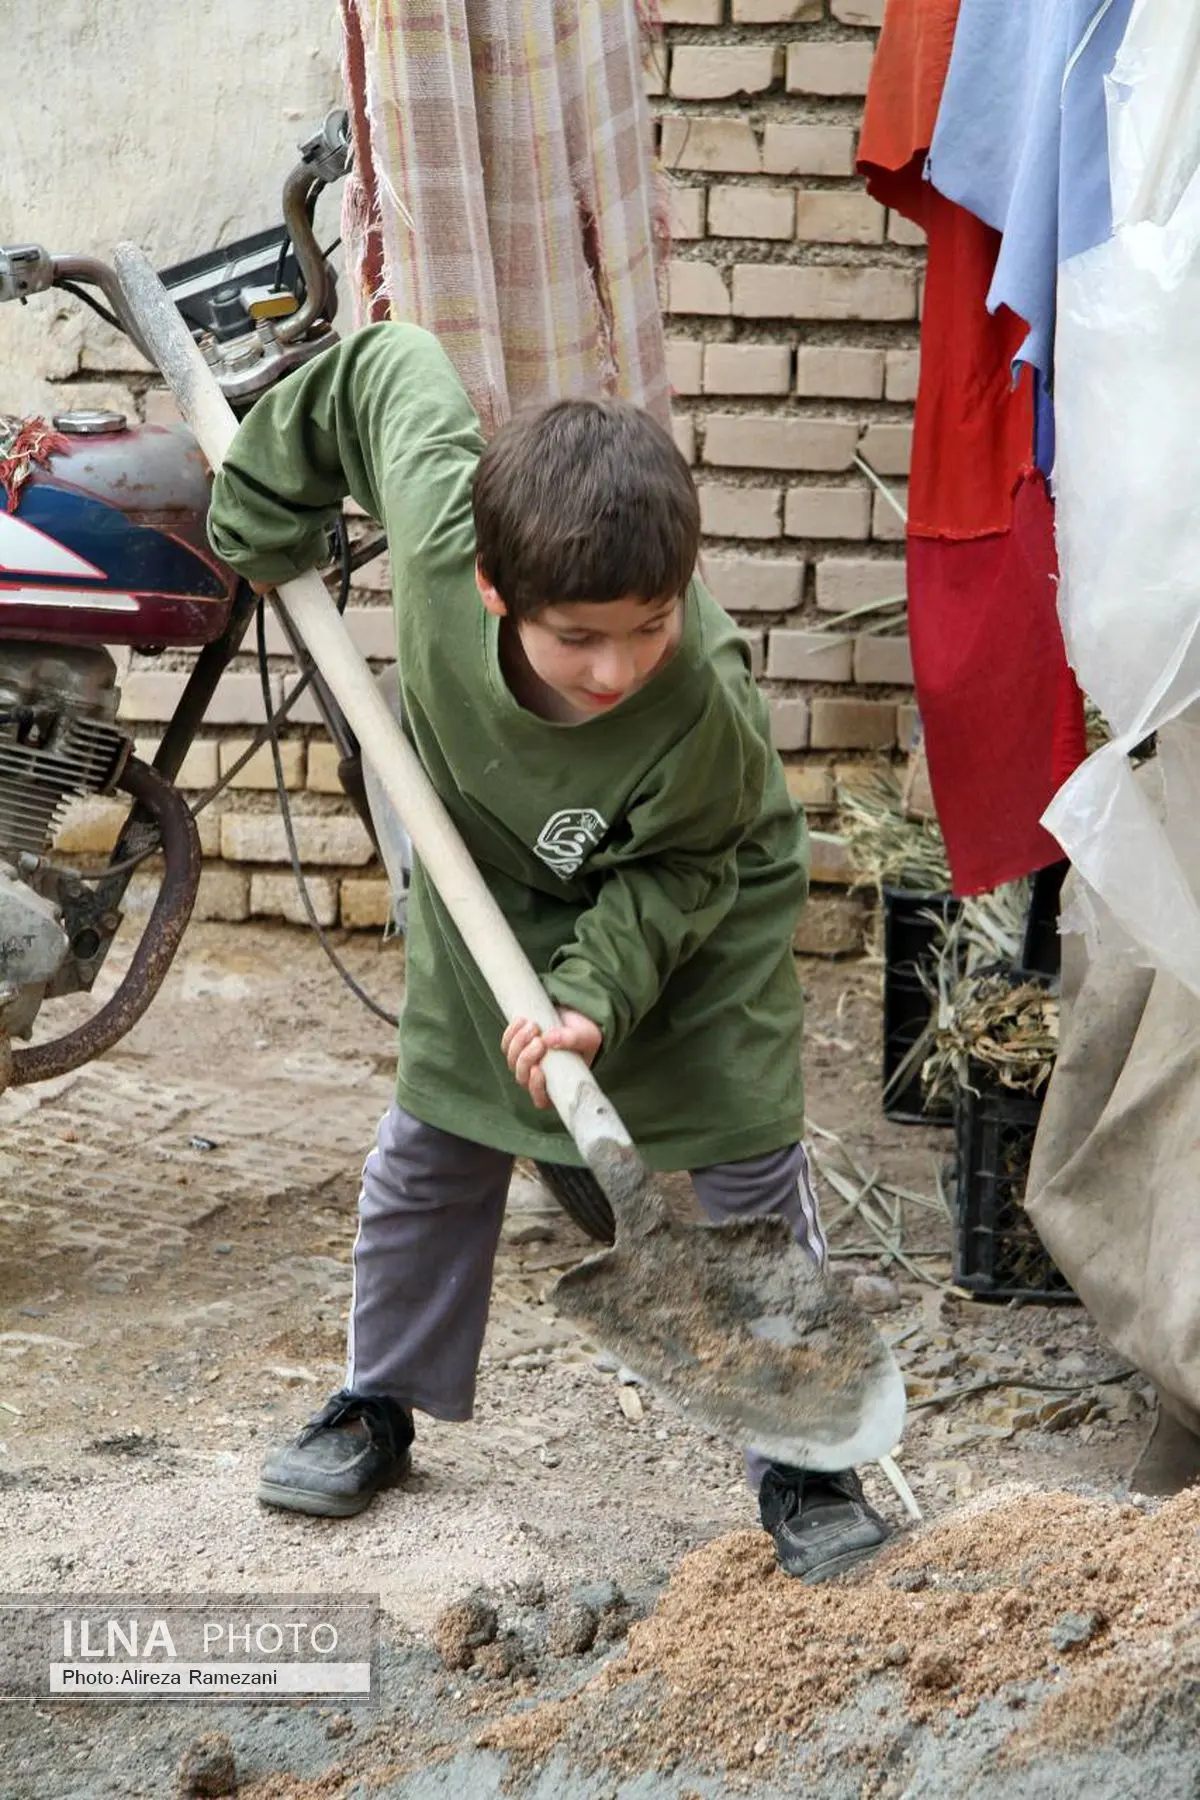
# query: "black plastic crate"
{"points": [[1041, 953], [998, 1254], [909, 939]]}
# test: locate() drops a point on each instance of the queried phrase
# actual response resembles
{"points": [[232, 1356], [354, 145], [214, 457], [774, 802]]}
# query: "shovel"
{"points": [[732, 1324]]}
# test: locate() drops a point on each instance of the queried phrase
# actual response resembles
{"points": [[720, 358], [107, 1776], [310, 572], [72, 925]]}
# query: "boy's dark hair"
{"points": [[584, 500]]}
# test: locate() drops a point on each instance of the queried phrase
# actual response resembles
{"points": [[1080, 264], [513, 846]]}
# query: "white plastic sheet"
{"points": [[1127, 480]]}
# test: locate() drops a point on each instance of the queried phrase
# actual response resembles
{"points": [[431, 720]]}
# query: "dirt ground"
{"points": [[175, 1235]]}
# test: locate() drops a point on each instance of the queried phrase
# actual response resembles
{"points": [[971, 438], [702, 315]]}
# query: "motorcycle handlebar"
{"points": [[299, 191], [324, 159], [27, 269], [91, 272]]}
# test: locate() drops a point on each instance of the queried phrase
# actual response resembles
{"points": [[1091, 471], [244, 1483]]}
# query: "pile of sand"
{"points": [[1099, 1601]]}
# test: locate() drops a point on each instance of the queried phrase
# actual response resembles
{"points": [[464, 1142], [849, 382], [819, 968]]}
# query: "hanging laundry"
{"points": [[973, 432], [1003, 722], [1129, 526], [1001, 713], [970, 438], [1113, 1184], [907, 78], [1022, 142], [504, 194]]}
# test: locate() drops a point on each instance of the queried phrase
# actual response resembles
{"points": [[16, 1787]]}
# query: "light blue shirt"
{"points": [[1022, 142]]}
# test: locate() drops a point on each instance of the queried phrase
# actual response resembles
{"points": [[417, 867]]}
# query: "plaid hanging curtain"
{"points": [[505, 194]]}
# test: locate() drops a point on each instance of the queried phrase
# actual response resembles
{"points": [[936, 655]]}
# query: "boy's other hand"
{"points": [[525, 1044]]}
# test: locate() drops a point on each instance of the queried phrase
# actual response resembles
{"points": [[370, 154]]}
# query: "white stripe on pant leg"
{"points": [[373, 1151], [810, 1208]]}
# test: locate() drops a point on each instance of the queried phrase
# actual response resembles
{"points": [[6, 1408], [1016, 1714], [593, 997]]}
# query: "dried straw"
{"points": [[982, 1012], [1096, 726], [1010, 1029], [887, 848]]}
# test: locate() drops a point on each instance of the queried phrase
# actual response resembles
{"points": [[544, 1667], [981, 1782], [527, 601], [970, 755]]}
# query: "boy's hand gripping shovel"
{"points": [[733, 1324]]}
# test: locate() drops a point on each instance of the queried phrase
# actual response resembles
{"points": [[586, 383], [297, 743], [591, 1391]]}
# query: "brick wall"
{"points": [[792, 303]]}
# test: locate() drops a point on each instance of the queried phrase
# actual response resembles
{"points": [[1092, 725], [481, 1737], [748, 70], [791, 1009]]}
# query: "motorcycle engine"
{"points": [[58, 742]]}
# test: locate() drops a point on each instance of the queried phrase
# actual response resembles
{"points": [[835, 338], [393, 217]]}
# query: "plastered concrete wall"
{"points": [[173, 125]]}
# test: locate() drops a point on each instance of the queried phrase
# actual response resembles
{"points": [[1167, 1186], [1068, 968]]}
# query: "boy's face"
{"points": [[595, 654]]}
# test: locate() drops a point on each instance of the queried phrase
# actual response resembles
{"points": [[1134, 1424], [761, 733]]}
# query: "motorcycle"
{"points": [[103, 544]]}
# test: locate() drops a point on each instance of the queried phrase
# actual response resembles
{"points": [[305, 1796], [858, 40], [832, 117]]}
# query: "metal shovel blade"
{"points": [[735, 1326]]}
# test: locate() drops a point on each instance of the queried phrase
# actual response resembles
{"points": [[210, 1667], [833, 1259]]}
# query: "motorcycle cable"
{"points": [[81, 293], [264, 674], [348, 562], [285, 246]]}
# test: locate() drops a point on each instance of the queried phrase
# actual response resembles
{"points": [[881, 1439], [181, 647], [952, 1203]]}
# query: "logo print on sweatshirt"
{"points": [[567, 837]]}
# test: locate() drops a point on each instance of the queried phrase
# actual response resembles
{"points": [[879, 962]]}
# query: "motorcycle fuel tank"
{"points": [[107, 542]]}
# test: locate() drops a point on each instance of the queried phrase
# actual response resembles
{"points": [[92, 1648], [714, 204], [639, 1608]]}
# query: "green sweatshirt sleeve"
{"points": [[382, 417], [669, 879]]}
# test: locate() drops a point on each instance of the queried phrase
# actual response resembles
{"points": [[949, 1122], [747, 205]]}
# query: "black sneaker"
{"points": [[821, 1524], [356, 1445]]}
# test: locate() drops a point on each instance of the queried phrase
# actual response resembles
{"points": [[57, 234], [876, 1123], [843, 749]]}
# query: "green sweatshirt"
{"points": [[650, 860]]}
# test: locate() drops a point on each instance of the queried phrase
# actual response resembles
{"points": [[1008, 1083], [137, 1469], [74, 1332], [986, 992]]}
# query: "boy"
{"points": [[587, 714]]}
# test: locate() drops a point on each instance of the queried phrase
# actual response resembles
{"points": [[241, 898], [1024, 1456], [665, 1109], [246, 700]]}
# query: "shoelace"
{"points": [[784, 1497], [343, 1409]]}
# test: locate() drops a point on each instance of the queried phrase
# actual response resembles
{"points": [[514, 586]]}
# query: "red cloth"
{"points": [[907, 77], [973, 430], [1002, 717]]}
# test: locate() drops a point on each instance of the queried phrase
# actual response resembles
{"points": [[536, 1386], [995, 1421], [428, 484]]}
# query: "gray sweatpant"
{"points": [[429, 1219]]}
